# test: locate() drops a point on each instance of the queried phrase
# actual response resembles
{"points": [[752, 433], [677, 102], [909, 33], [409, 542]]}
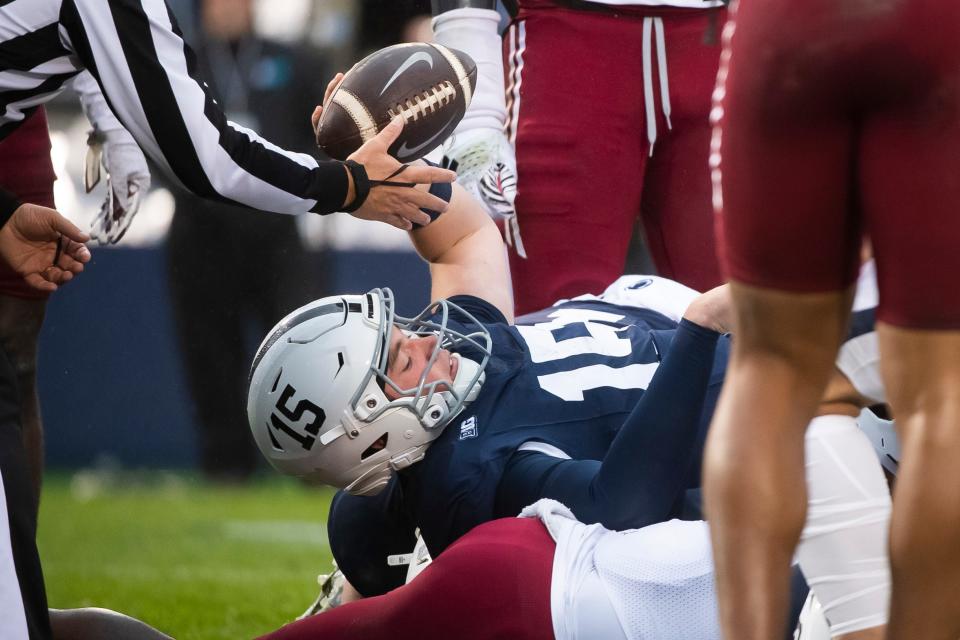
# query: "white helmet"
{"points": [[316, 403], [883, 436]]}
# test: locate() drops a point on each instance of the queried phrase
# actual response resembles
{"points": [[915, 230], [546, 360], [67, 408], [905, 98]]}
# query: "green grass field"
{"points": [[193, 559]]}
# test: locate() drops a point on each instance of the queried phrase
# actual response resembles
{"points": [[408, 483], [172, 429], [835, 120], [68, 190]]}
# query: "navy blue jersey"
{"points": [[567, 377], [533, 394]]}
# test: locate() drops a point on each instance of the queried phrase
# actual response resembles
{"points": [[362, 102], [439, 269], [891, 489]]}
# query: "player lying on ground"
{"points": [[344, 392], [843, 550], [555, 577]]}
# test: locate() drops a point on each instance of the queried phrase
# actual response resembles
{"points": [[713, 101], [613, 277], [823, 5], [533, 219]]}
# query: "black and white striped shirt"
{"points": [[148, 74]]}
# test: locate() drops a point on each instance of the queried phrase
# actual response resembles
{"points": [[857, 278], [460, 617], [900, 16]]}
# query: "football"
{"points": [[428, 85]]}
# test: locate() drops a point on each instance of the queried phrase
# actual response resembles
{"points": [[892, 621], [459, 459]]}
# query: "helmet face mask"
{"points": [[317, 399], [434, 403]]}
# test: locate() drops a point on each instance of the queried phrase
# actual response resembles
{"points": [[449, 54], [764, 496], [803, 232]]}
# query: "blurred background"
{"points": [[143, 360]]}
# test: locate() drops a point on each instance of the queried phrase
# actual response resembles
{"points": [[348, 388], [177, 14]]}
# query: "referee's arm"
{"points": [[135, 50]]}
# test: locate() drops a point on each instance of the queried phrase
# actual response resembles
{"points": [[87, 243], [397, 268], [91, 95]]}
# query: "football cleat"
{"points": [[331, 593]]}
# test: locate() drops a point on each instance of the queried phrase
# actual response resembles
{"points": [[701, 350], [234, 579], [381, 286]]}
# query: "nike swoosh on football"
{"points": [[403, 151], [419, 56]]}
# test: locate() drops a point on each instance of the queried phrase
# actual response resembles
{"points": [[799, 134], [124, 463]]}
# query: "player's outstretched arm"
{"points": [[642, 475], [399, 206], [463, 246], [466, 254]]}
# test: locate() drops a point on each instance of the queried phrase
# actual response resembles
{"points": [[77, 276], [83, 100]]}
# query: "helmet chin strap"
{"points": [[438, 414], [466, 370]]}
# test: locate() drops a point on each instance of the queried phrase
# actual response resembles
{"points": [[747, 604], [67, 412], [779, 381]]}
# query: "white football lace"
{"points": [[433, 99]]}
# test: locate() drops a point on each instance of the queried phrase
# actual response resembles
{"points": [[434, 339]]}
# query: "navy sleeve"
{"points": [[479, 308], [641, 479]]}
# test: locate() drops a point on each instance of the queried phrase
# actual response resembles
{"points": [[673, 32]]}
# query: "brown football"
{"points": [[428, 85]]}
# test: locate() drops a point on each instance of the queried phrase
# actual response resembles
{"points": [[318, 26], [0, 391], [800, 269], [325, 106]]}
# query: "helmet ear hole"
{"points": [[378, 445]]}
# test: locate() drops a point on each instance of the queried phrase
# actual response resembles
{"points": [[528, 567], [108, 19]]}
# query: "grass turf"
{"points": [[198, 561]]}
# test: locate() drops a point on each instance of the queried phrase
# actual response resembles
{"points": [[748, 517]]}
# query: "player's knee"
{"points": [[783, 365], [929, 426], [738, 492], [921, 371], [799, 332]]}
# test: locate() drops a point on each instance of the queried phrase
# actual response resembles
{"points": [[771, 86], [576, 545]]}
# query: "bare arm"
{"points": [[466, 254]]}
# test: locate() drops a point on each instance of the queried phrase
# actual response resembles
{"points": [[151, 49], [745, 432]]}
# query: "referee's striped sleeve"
{"points": [[148, 74]]}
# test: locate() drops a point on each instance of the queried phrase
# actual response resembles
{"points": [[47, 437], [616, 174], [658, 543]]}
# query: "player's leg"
{"points": [[575, 101], [792, 253], [922, 374], [676, 205], [753, 472], [26, 170], [20, 323], [23, 600], [911, 197], [492, 583]]}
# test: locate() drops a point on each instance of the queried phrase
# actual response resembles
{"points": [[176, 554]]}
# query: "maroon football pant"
{"points": [[494, 582], [26, 171], [841, 119], [579, 121]]}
